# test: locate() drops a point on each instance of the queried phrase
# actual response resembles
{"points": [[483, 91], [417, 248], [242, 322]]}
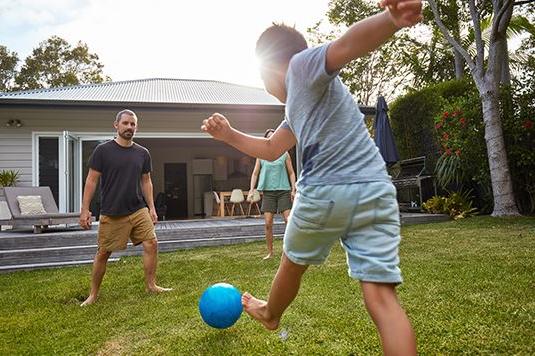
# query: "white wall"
{"points": [[16, 154], [16, 142]]}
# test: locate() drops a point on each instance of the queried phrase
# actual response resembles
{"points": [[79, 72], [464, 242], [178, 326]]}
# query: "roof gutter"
{"points": [[79, 104]]}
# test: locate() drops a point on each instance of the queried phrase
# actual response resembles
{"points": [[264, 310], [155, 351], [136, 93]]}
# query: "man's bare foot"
{"points": [[155, 289], [269, 255], [90, 300], [256, 308]]}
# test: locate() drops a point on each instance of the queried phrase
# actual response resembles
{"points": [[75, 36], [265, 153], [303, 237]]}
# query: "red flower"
{"points": [[448, 152], [439, 125], [445, 115], [458, 153], [445, 136], [527, 124], [462, 121]]}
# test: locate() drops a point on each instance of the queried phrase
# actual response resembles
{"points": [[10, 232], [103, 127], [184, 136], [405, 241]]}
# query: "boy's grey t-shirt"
{"points": [[333, 143]]}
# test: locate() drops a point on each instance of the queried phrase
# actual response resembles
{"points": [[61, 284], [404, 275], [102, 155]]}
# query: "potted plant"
{"points": [[8, 178]]}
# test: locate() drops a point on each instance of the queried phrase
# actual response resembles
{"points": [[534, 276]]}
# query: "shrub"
{"points": [[457, 205], [413, 118], [518, 121], [8, 178], [449, 116]]}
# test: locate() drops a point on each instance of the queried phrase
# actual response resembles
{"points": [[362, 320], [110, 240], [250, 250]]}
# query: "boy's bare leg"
{"points": [[283, 291], [268, 219], [395, 330], [150, 261], [99, 269]]}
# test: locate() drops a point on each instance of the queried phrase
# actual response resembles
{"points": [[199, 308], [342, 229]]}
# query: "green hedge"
{"points": [[412, 118], [445, 121]]}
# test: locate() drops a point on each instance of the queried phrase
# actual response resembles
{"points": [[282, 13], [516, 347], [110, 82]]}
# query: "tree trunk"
{"points": [[459, 60], [459, 65], [502, 184], [503, 57]]}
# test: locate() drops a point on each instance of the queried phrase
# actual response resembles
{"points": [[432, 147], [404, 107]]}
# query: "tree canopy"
{"points": [[54, 63]]}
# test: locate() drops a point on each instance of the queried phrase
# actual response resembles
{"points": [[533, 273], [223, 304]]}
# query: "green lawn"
{"points": [[469, 288]]}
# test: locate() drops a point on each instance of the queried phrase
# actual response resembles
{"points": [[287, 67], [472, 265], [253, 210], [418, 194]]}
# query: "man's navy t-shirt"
{"points": [[120, 182]]}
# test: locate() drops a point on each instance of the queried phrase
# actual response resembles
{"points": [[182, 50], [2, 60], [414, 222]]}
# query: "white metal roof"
{"points": [[155, 90]]}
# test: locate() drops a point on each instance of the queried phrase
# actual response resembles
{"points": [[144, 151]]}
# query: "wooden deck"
{"points": [[20, 249]]}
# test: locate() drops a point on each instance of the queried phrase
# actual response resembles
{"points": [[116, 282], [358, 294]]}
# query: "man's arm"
{"points": [[269, 149], [146, 188], [291, 174], [89, 190], [369, 34]]}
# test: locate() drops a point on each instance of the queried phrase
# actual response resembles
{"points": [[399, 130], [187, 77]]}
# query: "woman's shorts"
{"points": [[276, 201]]}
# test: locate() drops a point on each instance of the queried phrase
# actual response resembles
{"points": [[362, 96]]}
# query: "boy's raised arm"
{"points": [[268, 149], [369, 34]]}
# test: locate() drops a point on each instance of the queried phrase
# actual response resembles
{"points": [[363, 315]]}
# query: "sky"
{"points": [[193, 39]]}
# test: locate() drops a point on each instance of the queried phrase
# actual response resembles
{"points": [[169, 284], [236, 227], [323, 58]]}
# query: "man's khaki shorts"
{"points": [[114, 231]]}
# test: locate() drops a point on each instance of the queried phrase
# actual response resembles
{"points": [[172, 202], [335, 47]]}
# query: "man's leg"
{"points": [[150, 261], [397, 336], [99, 269], [283, 291], [268, 218]]}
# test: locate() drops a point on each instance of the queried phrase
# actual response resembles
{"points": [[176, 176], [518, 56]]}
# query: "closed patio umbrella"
{"points": [[384, 138]]}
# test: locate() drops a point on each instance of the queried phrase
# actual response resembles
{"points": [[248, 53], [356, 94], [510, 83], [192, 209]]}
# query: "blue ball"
{"points": [[220, 305]]}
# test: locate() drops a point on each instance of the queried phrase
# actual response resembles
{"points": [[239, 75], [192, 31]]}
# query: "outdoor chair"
{"points": [[253, 199], [35, 206], [236, 198]]}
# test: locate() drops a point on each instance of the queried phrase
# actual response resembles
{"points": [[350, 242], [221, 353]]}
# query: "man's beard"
{"points": [[127, 135]]}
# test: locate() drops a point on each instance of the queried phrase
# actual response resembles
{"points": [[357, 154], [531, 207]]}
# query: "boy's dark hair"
{"points": [[278, 43]]}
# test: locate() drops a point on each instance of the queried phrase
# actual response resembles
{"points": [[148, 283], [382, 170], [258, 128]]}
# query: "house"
{"points": [[48, 135]]}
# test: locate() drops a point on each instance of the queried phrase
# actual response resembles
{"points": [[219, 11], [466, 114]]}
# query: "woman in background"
{"points": [[277, 184]]}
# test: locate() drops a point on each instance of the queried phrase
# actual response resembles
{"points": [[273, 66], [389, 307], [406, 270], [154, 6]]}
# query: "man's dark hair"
{"points": [[125, 112], [278, 44]]}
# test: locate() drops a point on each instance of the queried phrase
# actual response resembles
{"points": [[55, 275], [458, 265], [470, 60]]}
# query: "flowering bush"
{"points": [[463, 159], [460, 133]]}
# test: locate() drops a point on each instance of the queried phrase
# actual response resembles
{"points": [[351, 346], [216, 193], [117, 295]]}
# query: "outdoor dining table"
{"points": [[222, 196]]}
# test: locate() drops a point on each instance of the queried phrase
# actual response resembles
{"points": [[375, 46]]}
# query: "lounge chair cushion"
{"points": [[30, 205]]}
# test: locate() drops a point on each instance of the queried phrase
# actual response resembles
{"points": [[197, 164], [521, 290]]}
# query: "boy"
{"points": [[344, 191]]}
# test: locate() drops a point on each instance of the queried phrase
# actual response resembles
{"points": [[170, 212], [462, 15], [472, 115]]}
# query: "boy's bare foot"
{"points": [[256, 308], [269, 255], [90, 300], [155, 289]]}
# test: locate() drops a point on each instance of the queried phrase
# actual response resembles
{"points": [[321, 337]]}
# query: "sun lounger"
{"points": [[40, 221]]}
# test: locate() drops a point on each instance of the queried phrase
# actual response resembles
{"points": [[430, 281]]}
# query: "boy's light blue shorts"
{"points": [[363, 216]]}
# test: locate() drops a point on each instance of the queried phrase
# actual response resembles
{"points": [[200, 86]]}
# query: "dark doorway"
{"points": [[49, 164], [176, 190]]}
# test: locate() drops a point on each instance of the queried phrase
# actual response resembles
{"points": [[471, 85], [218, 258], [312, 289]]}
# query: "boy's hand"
{"points": [[218, 126], [404, 13]]}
